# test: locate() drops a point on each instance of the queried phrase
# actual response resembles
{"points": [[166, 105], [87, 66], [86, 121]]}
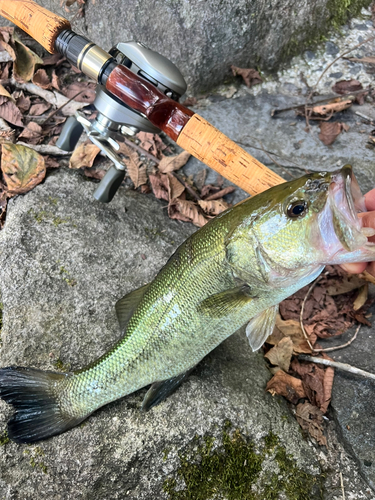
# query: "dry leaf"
{"points": [[290, 328], [10, 112], [84, 155], [221, 193], [95, 173], [330, 108], [135, 169], [51, 162], [286, 385], [186, 211], [345, 86], [361, 298], [250, 76], [22, 167], [5, 93], [344, 284], [173, 163], [39, 108], [23, 103], [81, 91], [159, 185], [190, 101], [329, 131], [26, 61], [175, 188], [310, 418], [151, 143], [32, 133], [41, 79], [214, 207], [281, 354]]}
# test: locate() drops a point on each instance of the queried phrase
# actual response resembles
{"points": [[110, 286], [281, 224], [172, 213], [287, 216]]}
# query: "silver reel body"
{"points": [[116, 120]]}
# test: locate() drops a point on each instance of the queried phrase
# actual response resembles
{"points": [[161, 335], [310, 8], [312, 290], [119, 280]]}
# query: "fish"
{"points": [[232, 272]]}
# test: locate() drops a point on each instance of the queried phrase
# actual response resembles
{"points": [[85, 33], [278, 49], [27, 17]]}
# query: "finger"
{"points": [[354, 268], [371, 268], [368, 220], [370, 200]]}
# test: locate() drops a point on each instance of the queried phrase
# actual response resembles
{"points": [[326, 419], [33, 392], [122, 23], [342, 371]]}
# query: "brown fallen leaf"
{"points": [[175, 188], [159, 185], [26, 61], [135, 169], [286, 385], [365, 60], [213, 207], [95, 173], [281, 354], [344, 284], [310, 418], [39, 108], [290, 328], [190, 101], [41, 79], [22, 167], [10, 112], [361, 297], [84, 155], [85, 91], [346, 86], [250, 76], [32, 133], [220, 194], [186, 211], [329, 131], [330, 108], [151, 143], [23, 103], [173, 163], [51, 162]]}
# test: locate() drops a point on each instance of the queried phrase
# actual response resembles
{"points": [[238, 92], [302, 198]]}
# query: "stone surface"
{"points": [[65, 260], [204, 38]]}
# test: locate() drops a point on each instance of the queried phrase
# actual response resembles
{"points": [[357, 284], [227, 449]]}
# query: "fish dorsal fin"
{"points": [[161, 390], [126, 306], [261, 326], [223, 303]]}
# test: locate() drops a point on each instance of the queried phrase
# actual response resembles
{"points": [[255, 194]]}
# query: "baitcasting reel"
{"points": [[115, 119]]}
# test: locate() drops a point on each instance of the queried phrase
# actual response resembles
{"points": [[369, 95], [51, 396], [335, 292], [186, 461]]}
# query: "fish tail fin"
{"points": [[38, 414]]}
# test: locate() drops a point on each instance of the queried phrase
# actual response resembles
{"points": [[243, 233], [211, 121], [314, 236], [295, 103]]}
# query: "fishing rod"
{"points": [[138, 89]]}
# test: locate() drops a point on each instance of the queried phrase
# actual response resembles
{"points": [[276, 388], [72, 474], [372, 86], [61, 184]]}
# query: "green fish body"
{"points": [[233, 271]]}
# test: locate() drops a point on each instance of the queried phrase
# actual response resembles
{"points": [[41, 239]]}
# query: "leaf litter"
{"points": [[335, 304]]}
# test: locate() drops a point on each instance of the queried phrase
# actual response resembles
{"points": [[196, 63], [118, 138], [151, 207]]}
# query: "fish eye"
{"points": [[297, 209]]}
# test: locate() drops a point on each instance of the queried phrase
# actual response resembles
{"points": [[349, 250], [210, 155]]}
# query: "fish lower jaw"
{"points": [[365, 253]]}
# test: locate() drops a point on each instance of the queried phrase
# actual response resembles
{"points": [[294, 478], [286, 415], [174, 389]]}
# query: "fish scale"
{"points": [[235, 270]]}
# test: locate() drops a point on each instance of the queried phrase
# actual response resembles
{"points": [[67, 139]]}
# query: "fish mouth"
{"points": [[346, 201]]}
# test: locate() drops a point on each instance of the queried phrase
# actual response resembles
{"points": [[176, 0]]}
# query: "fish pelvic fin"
{"points": [[224, 303], [159, 391], [38, 414], [261, 326], [126, 306]]}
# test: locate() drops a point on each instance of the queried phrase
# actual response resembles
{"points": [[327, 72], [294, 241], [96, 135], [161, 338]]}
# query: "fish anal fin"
{"points": [[161, 390], [126, 306], [224, 303], [261, 326]]}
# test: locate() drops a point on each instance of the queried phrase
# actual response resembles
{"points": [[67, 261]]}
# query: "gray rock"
{"points": [[205, 38], [65, 260]]}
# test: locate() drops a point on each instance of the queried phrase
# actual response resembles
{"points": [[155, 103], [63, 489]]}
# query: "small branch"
{"points": [[141, 150], [370, 39], [61, 107], [336, 364], [47, 149], [342, 486], [327, 349]]}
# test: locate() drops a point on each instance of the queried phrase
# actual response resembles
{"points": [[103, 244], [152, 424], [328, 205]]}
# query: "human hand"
{"points": [[368, 220]]}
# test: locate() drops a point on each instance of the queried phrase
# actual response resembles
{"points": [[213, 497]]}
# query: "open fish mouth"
{"points": [[346, 202]]}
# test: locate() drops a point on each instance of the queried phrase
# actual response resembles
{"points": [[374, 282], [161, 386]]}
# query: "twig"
{"points": [[336, 364], [370, 39], [340, 346], [187, 187], [342, 486], [364, 117], [303, 308], [61, 107], [47, 149]]}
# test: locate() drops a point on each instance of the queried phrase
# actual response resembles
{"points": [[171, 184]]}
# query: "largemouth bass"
{"points": [[234, 270]]}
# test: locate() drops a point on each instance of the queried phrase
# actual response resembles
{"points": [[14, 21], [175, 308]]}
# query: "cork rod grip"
{"points": [[40, 23], [212, 147]]}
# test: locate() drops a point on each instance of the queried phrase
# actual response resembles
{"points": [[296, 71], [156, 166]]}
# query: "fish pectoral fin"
{"points": [[126, 306], [161, 390], [261, 326], [223, 303]]}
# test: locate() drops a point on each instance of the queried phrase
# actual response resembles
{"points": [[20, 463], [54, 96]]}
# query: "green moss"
{"points": [[4, 438], [232, 469], [59, 365], [338, 13], [48, 216], [67, 277], [35, 454]]}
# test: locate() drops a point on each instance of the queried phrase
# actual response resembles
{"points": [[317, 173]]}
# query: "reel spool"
{"points": [[116, 120]]}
